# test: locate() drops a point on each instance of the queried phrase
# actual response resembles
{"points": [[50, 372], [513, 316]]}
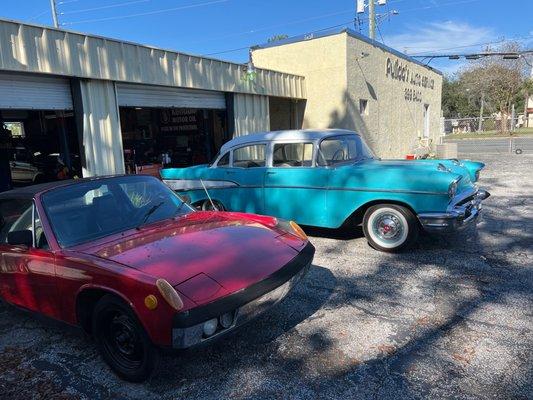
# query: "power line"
{"points": [[147, 13], [105, 7], [290, 37]]}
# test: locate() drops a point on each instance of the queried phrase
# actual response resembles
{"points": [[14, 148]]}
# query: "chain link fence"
{"points": [[483, 125]]}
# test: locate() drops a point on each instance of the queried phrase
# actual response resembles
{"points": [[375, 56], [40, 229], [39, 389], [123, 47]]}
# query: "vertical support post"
{"points": [[371, 20], [54, 13]]}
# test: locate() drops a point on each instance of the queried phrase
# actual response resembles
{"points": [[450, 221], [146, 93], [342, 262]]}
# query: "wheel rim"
{"points": [[388, 227], [121, 340]]}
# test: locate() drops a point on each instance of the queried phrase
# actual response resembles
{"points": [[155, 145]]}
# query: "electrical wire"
{"points": [[105, 7], [290, 37], [208, 3]]}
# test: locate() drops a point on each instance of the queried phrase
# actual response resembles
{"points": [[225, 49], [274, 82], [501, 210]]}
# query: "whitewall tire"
{"points": [[390, 227]]}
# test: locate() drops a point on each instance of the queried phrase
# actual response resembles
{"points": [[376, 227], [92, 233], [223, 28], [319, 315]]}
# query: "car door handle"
{"points": [[271, 173]]}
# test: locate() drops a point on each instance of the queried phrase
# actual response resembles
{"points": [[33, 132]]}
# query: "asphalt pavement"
{"points": [[451, 318], [490, 146]]}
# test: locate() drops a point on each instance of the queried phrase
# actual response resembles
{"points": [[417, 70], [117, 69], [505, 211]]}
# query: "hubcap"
{"points": [[388, 227]]}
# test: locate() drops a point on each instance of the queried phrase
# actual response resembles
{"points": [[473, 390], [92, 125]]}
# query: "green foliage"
{"points": [[277, 38]]}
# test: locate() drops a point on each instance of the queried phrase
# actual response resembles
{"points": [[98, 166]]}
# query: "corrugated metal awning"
{"points": [[131, 95], [34, 92]]}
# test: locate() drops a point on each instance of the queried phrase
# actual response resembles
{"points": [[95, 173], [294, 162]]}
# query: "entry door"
{"points": [[426, 120], [27, 275]]}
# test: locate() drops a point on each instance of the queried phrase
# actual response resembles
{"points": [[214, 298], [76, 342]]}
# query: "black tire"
{"points": [[390, 227], [122, 340], [207, 206]]}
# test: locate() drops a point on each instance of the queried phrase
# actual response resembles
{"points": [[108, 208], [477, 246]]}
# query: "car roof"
{"points": [[32, 190], [300, 134]]}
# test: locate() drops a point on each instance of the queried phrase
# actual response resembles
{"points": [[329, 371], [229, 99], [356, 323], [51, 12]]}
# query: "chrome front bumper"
{"points": [[462, 211]]}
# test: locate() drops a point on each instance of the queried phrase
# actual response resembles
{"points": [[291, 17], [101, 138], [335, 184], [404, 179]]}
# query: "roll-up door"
{"points": [[34, 92], [130, 95]]}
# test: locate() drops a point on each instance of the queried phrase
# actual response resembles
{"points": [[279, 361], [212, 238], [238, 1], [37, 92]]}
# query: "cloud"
{"points": [[441, 37]]}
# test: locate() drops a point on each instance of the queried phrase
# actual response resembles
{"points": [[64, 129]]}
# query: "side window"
{"points": [[15, 215], [293, 155], [224, 161], [252, 156], [40, 237]]}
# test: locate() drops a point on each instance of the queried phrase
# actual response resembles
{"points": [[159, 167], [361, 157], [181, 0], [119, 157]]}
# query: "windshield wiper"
{"points": [[150, 212]]}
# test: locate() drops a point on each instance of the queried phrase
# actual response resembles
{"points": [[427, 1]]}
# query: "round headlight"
{"points": [[226, 320], [210, 327]]}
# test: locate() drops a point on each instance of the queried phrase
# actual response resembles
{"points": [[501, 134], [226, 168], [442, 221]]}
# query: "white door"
{"points": [[34, 92], [132, 95], [426, 120]]}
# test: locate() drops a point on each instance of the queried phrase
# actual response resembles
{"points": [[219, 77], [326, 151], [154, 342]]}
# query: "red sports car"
{"points": [[132, 264]]}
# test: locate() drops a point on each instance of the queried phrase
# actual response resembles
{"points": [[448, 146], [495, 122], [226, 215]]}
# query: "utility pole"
{"points": [[371, 20], [479, 125], [54, 12]]}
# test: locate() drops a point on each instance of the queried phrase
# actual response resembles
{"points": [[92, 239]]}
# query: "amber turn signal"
{"points": [[169, 294], [298, 231], [150, 302]]}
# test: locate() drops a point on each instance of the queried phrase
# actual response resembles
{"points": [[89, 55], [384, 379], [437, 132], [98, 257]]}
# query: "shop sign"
{"points": [[400, 71]]}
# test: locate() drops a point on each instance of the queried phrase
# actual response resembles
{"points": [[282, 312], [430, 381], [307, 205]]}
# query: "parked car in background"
{"points": [[331, 179], [128, 261]]}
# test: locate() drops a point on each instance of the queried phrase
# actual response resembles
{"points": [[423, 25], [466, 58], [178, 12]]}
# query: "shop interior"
{"points": [[155, 138], [41, 146]]}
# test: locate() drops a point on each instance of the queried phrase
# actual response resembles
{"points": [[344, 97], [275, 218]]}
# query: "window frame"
{"points": [[358, 159], [301, 141], [268, 154], [229, 153]]}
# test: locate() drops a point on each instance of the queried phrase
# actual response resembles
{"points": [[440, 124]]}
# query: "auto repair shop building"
{"points": [[114, 107], [356, 83]]}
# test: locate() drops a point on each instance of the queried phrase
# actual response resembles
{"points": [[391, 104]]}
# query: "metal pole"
{"points": [[479, 125], [54, 12], [513, 116], [371, 20]]}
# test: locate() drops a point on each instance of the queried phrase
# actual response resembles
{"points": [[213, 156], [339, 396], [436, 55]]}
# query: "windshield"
{"points": [[343, 149], [91, 210]]}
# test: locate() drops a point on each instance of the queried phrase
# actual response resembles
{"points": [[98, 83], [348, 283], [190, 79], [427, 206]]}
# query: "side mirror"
{"points": [[18, 238]]}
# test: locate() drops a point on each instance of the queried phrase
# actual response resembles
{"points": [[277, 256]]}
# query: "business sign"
{"points": [[400, 71]]}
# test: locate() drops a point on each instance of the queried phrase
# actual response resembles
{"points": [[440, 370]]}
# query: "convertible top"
{"points": [[300, 134]]}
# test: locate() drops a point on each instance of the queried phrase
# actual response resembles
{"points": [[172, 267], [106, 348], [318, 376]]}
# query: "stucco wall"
{"points": [[396, 98], [340, 70], [323, 64]]}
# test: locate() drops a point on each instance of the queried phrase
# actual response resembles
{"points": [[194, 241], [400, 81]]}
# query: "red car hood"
{"points": [[205, 255]]}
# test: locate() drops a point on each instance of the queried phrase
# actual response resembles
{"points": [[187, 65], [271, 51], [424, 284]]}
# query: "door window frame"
{"points": [[302, 141]]}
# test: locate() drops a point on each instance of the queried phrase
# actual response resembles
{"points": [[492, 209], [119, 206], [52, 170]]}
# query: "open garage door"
{"points": [[34, 92], [130, 95]]}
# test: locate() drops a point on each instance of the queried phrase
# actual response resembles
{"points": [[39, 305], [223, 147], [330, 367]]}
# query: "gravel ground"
{"points": [[451, 318]]}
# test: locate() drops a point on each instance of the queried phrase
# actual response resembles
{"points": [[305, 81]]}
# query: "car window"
{"points": [[342, 149], [15, 214], [224, 161], [251, 156], [91, 210], [293, 155], [40, 238]]}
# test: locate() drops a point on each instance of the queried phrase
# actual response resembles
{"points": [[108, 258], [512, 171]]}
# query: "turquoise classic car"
{"points": [[330, 178]]}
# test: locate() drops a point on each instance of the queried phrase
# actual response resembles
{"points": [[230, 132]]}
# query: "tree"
{"points": [[457, 102], [498, 81], [277, 38]]}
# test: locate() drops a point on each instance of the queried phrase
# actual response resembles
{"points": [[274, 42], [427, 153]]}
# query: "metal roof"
{"points": [[46, 50], [349, 32], [301, 134]]}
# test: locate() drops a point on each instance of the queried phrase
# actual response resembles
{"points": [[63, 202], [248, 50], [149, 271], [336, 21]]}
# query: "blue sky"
{"points": [[211, 27]]}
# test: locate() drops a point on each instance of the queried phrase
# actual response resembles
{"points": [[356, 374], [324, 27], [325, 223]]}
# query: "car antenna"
{"points": [[209, 197]]}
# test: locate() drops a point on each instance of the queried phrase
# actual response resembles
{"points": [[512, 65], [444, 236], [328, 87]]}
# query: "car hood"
{"points": [[204, 255], [401, 175]]}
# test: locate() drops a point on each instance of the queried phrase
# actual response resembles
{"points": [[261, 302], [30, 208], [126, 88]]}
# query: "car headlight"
{"points": [[452, 189], [169, 294], [292, 228]]}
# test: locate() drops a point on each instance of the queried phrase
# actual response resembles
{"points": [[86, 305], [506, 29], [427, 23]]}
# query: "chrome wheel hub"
{"points": [[387, 226]]}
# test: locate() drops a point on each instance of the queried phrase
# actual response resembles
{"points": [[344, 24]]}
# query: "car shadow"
{"points": [[300, 305], [337, 234]]}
